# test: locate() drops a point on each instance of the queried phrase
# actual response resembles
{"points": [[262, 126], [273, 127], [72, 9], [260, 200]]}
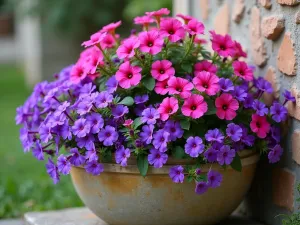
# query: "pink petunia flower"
{"points": [[186, 18], [168, 107], [108, 42], [143, 20], [161, 87], [194, 106], [77, 73], [222, 44], [242, 70], [204, 66], [173, 29], [110, 28], [260, 125], [200, 41], [126, 50], [226, 106], [159, 13], [94, 59], [162, 70], [239, 52], [151, 42], [95, 39], [194, 27], [207, 82], [178, 85], [128, 75]]}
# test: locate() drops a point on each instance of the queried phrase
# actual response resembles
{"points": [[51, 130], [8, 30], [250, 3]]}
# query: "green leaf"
{"points": [[211, 108], [107, 158], [236, 163], [149, 83], [127, 101], [178, 152], [190, 179], [185, 124], [187, 67], [142, 163], [187, 134], [137, 122]]}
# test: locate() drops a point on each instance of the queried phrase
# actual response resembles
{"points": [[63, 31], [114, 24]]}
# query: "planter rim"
{"points": [[248, 157]]}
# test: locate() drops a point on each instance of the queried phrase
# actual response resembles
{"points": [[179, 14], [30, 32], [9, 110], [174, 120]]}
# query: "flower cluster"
{"points": [[154, 95]]}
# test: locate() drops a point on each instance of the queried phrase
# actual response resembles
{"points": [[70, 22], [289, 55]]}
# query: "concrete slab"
{"points": [[83, 216], [12, 222]]}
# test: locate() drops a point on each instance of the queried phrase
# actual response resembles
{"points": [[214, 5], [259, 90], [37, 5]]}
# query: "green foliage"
{"points": [[142, 163], [137, 122], [149, 83], [127, 101], [178, 152], [236, 163], [185, 124]]}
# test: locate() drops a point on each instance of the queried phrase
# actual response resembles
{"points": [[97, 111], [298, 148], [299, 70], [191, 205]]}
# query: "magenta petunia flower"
{"points": [[222, 44], [242, 70], [126, 49], [157, 158], [162, 70], [177, 174], [110, 28], [226, 106], [207, 82], [194, 146], [186, 18], [93, 60], [128, 75], [108, 42], [214, 179], [225, 155], [161, 87], [194, 106], [143, 20], [151, 42], [77, 73], [239, 52], [260, 125], [194, 27], [128, 123], [121, 156], [95, 39], [204, 66], [173, 29], [159, 13], [180, 86], [168, 107]]}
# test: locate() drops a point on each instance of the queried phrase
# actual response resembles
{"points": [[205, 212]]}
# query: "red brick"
{"points": [[266, 3], [283, 182], [272, 26], [238, 10], [271, 77], [288, 2], [204, 7], [221, 23], [296, 146], [297, 17], [294, 108]]}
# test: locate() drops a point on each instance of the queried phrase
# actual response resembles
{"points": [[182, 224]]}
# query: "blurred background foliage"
{"points": [[24, 183]]}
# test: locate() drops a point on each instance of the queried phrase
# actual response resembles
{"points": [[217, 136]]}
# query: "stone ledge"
{"points": [[83, 216]]}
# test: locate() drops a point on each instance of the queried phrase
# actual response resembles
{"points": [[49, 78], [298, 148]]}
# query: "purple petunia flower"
{"points": [[52, 171], [201, 187], [52, 120], [108, 135], [87, 89], [247, 138], [111, 84], [139, 99], [275, 133], [177, 174], [45, 133], [86, 142], [51, 94], [94, 168], [91, 155], [26, 138], [103, 99], [194, 146], [278, 112], [174, 128], [146, 133], [248, 101], [239, 93], [119, 111], [63, 131], [150, 115], [138, 109], [234, 132], [157, 158], [62, 108], [122, 154], [275, 154], [38, 151], [84, 105], [211, 155], [160, 140], [96, 122], [76, 159], [225, 155], [63, 165], [263, 85], [288, 96], [214, 179], [226, 85], [214, 135], [260, 108], [81, 128]]}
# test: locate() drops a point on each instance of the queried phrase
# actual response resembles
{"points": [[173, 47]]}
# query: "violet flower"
{"points": [[157, 158], [177, 174], [94, 168]]}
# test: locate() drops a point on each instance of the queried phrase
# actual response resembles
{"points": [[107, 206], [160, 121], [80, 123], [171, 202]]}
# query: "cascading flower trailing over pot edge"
{"points": [[153, 95]]}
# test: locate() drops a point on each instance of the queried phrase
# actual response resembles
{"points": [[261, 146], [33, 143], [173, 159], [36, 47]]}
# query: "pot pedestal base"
{"points": [[83, 216]]}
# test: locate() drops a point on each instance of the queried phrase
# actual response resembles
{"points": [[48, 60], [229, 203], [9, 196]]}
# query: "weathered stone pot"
{"points": [[121, 196]]}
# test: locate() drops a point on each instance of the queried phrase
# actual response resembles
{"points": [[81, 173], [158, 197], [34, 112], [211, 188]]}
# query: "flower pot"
{"points": [[121, 196]]}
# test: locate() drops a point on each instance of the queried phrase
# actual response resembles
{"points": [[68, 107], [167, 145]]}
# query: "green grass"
{"points": [[24, 183]]}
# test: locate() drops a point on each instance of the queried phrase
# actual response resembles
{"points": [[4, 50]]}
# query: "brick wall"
{"points": [[270, 32]]}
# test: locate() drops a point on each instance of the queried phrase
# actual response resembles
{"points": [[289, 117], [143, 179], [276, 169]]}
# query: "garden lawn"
{"points": [[24, 183]]}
